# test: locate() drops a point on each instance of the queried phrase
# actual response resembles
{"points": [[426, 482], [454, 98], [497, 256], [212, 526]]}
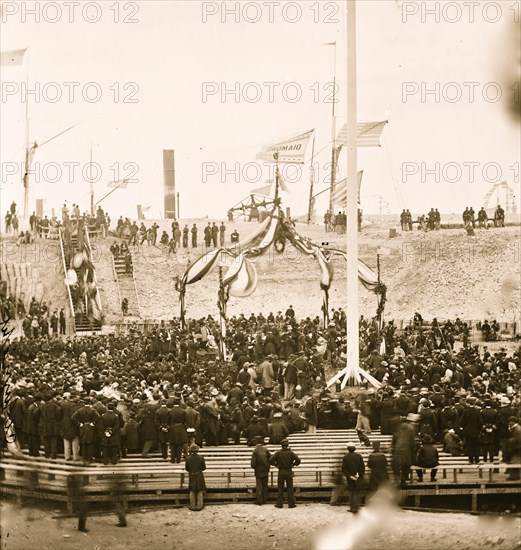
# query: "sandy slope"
{"points": [[443, 273]]}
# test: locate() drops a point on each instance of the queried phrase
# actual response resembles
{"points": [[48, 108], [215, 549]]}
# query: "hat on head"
{"points": [[284, 442], [214, 392], [351, 448], [193, 448]]}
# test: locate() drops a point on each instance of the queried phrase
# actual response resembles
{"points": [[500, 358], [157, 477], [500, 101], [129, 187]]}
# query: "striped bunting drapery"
{"points": [[365, 274], [241, 277]]}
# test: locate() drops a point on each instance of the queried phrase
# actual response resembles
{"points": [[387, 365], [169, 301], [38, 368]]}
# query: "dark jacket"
{"points": [[69, 428], [377, 462], [108, 429], [285, 460], [177, 418], [471, 422], [260, 461], [50, 419], [86, 418], [353, 468], [428, 456], [195, 466]]}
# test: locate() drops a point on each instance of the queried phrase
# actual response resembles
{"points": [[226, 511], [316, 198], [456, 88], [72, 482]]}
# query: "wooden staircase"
{"points": [[127, 285], [83, 323]]}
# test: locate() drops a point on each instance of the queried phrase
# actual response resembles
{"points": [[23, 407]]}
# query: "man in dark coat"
{"points": [[285, 460], [260, 462], [195, 466], [402, 448], [471, 424], [277, 430], [86, 418], [146, 420], [290, 380], [130, 435], [50, 426], [253, 431], [69, 429], [353, 469], [33, 426], [109, 436], [488, 436], [377, 463], [178, 436], [162, 421], [427, 458]]}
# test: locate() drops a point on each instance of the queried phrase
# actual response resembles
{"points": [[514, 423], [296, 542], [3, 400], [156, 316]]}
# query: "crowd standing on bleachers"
{"points": [[106, 397]]}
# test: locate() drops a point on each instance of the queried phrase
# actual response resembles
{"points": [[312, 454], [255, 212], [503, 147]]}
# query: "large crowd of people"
{"points": [[106, 397]]}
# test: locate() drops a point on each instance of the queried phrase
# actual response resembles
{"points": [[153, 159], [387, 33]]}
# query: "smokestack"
{"points": [[169, 178]]}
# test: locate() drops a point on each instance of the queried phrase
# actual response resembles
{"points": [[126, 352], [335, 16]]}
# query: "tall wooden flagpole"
{"points": [[352, 199], [311, 182], [333, 137]]}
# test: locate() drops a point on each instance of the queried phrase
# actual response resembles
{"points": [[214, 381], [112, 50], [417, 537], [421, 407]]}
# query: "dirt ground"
{"points": [[246, 526]]}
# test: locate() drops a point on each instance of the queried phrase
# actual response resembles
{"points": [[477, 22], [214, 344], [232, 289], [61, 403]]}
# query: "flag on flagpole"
{"points": [[368, 133], [264, 190], [146, 208], [290, 150], [12, 58], [340, 191], [121, 184]]}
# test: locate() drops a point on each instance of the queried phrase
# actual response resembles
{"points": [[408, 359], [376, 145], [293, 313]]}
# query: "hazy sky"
{"points": [[163, 60]]}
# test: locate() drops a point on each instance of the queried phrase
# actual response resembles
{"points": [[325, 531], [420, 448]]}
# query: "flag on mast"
{"points": [[265, 190], [368, 133], [11, 58], [340, 192], [118, 184], [290, 150]]}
